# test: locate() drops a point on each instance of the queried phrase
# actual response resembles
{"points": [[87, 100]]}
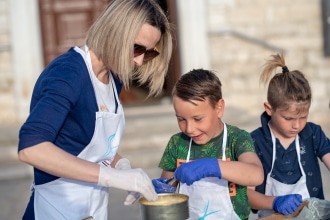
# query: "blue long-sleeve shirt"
{"points": [[62, 109]]}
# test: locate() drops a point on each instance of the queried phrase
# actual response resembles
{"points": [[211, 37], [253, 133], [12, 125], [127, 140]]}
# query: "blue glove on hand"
{"points": [[193, 171], [287, 204], [161, 187]]}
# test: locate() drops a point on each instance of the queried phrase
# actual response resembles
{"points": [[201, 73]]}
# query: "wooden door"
{"points": [[64, 24]]}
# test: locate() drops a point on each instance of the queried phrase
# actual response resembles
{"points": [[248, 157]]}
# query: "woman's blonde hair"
{"points": [[112, 38]]}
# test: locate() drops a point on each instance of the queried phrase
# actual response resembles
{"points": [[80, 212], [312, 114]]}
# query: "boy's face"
{"points": [[287, 123], [199, 119]]}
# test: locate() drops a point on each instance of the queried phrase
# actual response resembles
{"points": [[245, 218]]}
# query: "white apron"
{"points": [[209, 197], [276, 188], [75, 200]]}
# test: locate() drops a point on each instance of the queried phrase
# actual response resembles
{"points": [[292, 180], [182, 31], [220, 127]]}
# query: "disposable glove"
{"points": [[133, 180], [132, 197], [287, 204], [193, 171], [124, 164], [162, 187]]}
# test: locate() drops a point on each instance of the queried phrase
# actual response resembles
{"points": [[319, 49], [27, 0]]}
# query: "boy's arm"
{"points": [[259, 201], [285, 204], [326, 160], [247, 171], [167, 174]]}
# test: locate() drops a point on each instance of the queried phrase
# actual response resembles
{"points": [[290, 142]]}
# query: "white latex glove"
{"points": [[133, 180], [124, 164], [132, 197]]}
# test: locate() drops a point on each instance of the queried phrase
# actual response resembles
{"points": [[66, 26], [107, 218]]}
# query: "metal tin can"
{"points": [[168, 206]]}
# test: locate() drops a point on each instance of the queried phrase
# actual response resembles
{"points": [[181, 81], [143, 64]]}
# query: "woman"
{"points": [[72, 134]]}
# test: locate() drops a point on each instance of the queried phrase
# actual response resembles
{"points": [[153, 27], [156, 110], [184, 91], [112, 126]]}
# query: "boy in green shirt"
{"points": [[213, 162]]}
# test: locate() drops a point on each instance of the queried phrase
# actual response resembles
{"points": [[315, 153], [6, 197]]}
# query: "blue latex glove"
{"points": [[161, 187], [193, 171], [287, 204]]}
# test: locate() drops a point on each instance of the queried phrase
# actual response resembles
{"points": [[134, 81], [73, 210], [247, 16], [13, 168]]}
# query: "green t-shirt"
{"points": [[238, 142]]}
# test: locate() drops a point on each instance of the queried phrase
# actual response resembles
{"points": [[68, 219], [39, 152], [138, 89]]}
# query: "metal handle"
{"points": [[170, 181]]}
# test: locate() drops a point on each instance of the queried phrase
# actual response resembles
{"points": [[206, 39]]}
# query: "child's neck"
{"points": [[286, 142]]}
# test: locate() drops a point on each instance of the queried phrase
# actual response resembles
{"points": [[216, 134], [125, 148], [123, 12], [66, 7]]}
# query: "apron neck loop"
{"points": [[224, 143], [297, 144]]}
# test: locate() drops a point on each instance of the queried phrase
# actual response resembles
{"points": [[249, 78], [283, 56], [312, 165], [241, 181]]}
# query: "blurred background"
{"points": [[232, 37]]}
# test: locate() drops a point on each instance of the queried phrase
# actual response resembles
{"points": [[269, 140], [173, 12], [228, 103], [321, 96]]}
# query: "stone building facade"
{"points": [[231, 37], [241, 34]]}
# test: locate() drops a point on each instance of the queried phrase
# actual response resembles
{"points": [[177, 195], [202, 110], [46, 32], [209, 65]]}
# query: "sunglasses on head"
{"points": [[148, 54]]}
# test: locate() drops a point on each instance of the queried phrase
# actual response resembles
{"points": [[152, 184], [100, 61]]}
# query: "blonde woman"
{"points": [[76, 121]]}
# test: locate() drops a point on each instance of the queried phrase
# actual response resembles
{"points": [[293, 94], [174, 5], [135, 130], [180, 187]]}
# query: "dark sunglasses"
{"points": [[148, 54]]}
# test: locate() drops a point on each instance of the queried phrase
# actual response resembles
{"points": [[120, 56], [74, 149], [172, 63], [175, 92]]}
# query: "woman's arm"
{"points": [[53, 160]]}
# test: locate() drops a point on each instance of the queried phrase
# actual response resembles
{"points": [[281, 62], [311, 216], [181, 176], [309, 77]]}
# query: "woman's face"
{"points": [[199, 119], [148, 37]]}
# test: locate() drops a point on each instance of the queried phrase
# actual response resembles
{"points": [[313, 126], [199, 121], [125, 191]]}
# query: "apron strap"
{"points": [[224, 144]]}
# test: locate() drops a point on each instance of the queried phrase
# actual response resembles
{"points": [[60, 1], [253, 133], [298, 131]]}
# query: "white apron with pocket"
{"points": [[209, 197], [276, 188], [75, 200]]}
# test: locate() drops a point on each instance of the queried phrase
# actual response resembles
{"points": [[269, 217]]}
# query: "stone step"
{"points": [[14, 169], [8, 153]]}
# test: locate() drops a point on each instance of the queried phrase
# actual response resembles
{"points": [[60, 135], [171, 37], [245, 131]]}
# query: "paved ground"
{"points": [[14, 194], [145, 137]]}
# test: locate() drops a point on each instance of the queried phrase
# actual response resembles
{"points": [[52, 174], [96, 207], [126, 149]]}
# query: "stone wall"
{"points": [[7, 96], [243, 34], [20, 58]]}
